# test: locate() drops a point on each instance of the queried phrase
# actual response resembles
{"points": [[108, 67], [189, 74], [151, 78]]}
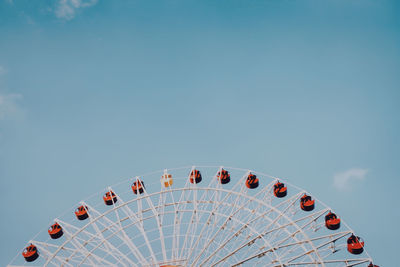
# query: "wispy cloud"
{"points": [[2, 70], [342, 180], [66, 9], [8, 105]]}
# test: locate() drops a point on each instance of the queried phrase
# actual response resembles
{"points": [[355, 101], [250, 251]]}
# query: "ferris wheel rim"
{"points": [[273, 178]]}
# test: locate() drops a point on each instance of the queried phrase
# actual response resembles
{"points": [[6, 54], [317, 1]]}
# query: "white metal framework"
{"points": [[206, 224]]}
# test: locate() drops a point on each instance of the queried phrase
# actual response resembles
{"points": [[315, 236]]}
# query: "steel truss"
{"points": [[205, 224]]}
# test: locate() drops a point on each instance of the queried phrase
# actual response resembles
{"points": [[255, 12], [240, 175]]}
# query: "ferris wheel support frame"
{"points": [[125, 204], [215, 195]]}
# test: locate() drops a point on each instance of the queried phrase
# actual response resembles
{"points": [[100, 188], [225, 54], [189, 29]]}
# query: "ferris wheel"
{"points": [[198, 216]]}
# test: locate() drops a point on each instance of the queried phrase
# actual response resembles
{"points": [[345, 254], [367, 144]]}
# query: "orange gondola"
{"points": [[30, 253], [55, 231], [81, 213], [109, 198], [306, 203], [280, 190], [252, 181], [332, 222], [223, 176], [355, 245], [195, 177], [138, 187]]}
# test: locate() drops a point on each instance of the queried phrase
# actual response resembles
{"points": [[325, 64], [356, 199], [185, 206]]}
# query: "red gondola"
{"points": [[355, 245], [252, 181], [223, 176], [55, 231], [109, 198], [280, 190], [372, 265], [30, 253], [138, 187], [195, 177], [332, 222], [306, 203], [81, 213]]}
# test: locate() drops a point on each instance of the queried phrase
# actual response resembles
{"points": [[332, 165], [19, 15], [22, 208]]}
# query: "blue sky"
{"points": [[94, 92]]}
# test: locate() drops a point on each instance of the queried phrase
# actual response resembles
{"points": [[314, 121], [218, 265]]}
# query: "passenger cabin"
{"points": [[306, 203], [109, 198], [30, 253], [195, 177], [166, 179], [251, 181], [55, 231], [81, 213], [372, 265], [223, 176], [280, 190], [138, 187], [332, 222], [355, 245]]}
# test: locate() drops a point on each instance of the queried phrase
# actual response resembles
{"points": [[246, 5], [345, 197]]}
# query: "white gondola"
{"points": [[166, 179]]}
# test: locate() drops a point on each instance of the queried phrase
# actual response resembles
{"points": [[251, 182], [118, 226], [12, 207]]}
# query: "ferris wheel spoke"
{"points": [[289, 206], [174, 250], [178, 216], [348, 262], [214, 196], [113, 227], [311, 217], [135, 251], [44, 250], [276, 259], [308, 219], [222, 215], [194, 225], [332, 238], [152, 215], [191, 225], [73, 236], [161, 204], [194, 216], [116, 227], [80, 247], [229, 238], [290, 202], [194, 222], [82, 243], [157, 218], [114, 233], [138, 222], [238, 185], [186, 211], [117, 254], [246, 217]]}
